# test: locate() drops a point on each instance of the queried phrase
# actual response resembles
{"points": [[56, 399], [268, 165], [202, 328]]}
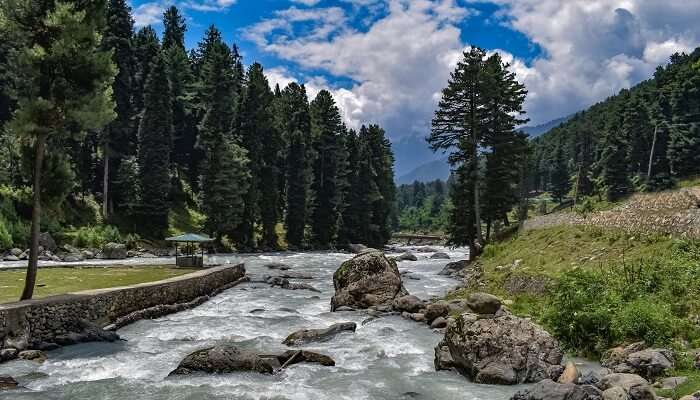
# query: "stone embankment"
{"points": [[54, 321], [674, 212]]}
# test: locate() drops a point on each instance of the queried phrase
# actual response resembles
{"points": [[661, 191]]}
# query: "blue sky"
{"points": [[385, 61]]}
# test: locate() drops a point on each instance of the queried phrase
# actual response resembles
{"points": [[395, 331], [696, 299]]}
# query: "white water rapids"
{"points": [[387, 358]]}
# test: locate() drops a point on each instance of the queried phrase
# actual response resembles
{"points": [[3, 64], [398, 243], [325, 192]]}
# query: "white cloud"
{"points": [[148, 14], [307, 2], [151, 13]]}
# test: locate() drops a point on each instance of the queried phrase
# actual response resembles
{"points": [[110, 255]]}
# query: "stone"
{"points": [[46, 241], [440, 256], [8, 354], [418, 317], [443, 358], [32, 355], [8, 382], [318, 335], [436, 310], [650, 362], [570, 374], [366, 280], [438, 323], [454, 267], [301, 356], [88, 255], [225, 358], [75, 257], [547, 389], [408, 256], [615, 393], [589, 378], [636, 387], [500, 345], [673, 382], [357, 248], [427, 249], [409, 303], [483, 303], [114, 251], [89, 332], [10, 257], [295, 275], [16, 252], [278, 266]]}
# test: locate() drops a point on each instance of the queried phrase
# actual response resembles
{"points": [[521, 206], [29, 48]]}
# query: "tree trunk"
{"points": [[30, 280], [105, 184], [651, 153]]}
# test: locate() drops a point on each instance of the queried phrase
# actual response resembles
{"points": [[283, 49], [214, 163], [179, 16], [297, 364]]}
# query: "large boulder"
{"points": [[317, 335], [225, 358], [550, 390], [454, 267], [407, 256], [636, 387], [636, 359], [503, 349], [440, 256], [484, 303], [368, 279], [435, 311], [114, 251], [46, 241], [291, 357], [408, 303]]}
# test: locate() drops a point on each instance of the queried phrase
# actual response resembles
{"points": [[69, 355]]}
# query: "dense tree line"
{"points": [[476, 122], [423, 206], [642, 139], [90, 107]]}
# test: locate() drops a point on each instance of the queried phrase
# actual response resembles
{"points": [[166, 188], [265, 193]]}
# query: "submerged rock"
{"points": [[440, 256], [550, 390], [225, 358], [278, 266], [317, 335], [32, 355], [366, 280], [503, 349], [8, 382], [408, 256]]}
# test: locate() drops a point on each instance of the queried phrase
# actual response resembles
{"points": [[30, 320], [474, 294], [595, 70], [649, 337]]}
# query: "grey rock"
{"points": [[16, 252], [484, 303], [224, 358], [8, 382], [408, 256], [507, 343], [443, 358], [549, 390], [650, 362], [88, 255], [304, 356], [454, 267], [357, 248], [673, 382], [89, 332], [8, 354], [427, 249], [114, 251], [366, 280], [32, 355], [10, 257], [436, 310], [636, 387], [46, 241], [75, 257], [278, 266], [438, 323], [418, 317], [409, 303], [440, 256], [615, 393], [318, 335]]}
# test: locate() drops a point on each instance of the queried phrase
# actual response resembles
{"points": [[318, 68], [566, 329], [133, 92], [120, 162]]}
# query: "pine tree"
{"points": [[382, 159], [118, 39], [327, 131], [146, 49], [637, 130], [225, 171], [614, 165], [255, 125], [461, 226], [349, 214], [297, 131], [52, 101], [559, 175], [174, 29], [684, 135], [155, 138]]}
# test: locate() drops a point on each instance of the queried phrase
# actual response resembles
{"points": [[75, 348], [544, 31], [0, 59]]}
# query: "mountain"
{"points": [[412, 152], [537, 130], [438, 169]]}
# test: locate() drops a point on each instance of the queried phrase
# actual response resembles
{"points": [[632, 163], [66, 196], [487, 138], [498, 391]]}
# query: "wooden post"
{"points": [[651, 153]]}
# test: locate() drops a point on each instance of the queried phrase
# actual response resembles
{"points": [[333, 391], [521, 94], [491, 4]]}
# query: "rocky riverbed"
{"points": [[387, 358]]}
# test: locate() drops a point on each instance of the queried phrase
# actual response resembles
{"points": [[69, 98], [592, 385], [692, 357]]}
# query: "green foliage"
{"points": [[94, 237]]}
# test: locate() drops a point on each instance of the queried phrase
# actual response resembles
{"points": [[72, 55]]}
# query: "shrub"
{"points": [[95, 236], [5, 236], [645, 319]]}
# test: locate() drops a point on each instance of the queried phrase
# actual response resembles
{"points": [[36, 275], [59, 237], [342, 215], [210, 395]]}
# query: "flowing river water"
{"points": [[387, 358]]}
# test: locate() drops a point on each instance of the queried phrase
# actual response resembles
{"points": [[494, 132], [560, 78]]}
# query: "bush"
{"points": [[592, 310], [5, 236], [95, 236]]}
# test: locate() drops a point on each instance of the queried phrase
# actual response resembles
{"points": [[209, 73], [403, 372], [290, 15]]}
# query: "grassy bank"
{"points": [[52, 281], [595, 288]]}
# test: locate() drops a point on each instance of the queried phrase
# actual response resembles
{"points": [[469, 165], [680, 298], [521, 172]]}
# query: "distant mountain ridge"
{"points": [[429, 170]]}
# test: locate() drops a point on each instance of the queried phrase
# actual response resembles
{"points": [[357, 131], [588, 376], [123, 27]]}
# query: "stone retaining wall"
{"points": [[32, 322]]}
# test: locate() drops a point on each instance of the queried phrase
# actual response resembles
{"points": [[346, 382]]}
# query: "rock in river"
{"points": [[502, 350], [317, 335], [225, 358], [550, 390], [366, 280], [409, 303], [7, 382], [408, 256], [440, 256]]}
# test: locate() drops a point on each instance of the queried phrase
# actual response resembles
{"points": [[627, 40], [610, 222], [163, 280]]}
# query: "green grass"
{"points": [[689, 182], [52, 281]]}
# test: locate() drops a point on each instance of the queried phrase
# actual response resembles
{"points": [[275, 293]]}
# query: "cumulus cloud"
{"points": [[151, 13], [148, 14], [397, 65]]}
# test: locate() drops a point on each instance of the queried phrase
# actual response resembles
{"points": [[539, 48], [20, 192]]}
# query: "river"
{"points": [[388, 358]]}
